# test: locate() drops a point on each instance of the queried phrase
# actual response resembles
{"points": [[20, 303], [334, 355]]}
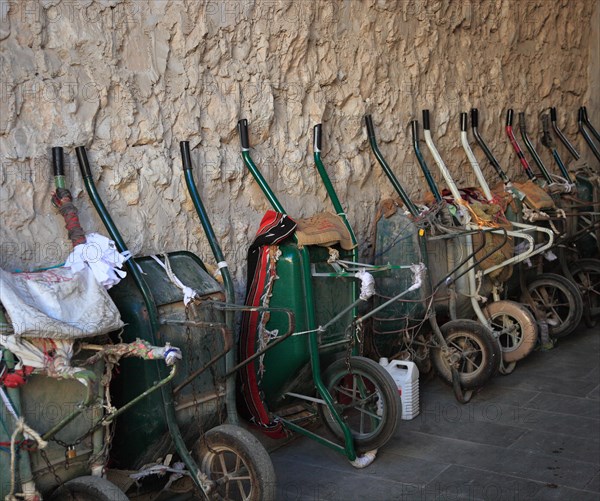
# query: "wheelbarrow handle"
{"points": [[426, 120], [84, 164], [243, 131], [370, 128], [553, 114], [463, 122], [509, 117], [317, 131], [186, 159], [522, 123], [474, 117], [58, 165]]}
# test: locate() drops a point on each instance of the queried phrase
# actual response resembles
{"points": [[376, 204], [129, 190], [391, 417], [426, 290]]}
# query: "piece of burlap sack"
{"points": [[324, 229], [492, 213], [535, 196]]}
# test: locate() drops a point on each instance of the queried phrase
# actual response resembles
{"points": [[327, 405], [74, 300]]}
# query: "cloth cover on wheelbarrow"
{"points": [[274, 228], [58, 304], [535, 196], [324, 229], [486, 214]]}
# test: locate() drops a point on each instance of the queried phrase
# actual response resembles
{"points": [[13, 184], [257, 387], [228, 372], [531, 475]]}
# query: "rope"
{"points": [[63, 200], [302, 333], [188, 292], [42, 444]]}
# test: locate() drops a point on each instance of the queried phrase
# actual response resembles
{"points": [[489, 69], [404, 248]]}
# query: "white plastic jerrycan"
{"points": [[406, 376]]}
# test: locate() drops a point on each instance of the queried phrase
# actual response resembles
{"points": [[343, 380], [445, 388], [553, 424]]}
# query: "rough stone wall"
{"points": [[130, 79]]}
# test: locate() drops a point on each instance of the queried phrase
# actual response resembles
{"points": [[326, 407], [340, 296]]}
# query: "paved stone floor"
{"points": [[532, 435]]}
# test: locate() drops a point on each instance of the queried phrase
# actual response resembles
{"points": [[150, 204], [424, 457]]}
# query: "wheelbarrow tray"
{"points": [[141, 435], [45, 401], [286, 367], [397, 243]]}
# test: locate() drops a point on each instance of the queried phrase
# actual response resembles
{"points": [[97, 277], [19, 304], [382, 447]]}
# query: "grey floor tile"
{"points": [[300, 480], [474, 423], [566, 404], [476, 484], [387, 466], [594, 484], [552, 492], [567, 447], [536, 467], [558, 381]]}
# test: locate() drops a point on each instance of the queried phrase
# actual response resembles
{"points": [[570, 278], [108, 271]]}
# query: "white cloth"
{"points": [[100, 254], [367, 284], [58, 304], [58, 365]]}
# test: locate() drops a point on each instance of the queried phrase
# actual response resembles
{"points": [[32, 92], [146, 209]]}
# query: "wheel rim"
{"points": [[466, 349], [510, 332], [553, 302], [230, 472], [589, 284], [358, 401]]}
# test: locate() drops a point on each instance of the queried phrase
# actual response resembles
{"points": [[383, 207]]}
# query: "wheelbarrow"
{"points": [[585, 128], [550, 296], [442, 262], [320, 370], [57, 411], [462, 352], [515, 328], [574, 196], [173, 298], [585, 272]]}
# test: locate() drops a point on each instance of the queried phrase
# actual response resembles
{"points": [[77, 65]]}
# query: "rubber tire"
{"points": [[571, 301], [384, 386], [88, 488], [478, 336], [521, 320], [229, 441], [586, 273]]}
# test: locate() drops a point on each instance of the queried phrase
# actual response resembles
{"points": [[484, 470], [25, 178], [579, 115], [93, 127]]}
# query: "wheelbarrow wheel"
{"points": [[88, 488], [237, 462], [516, 328], [366, 397], [559, 300], [586, 273], [472, 350]]}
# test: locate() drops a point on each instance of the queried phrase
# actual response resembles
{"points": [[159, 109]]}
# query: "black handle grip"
{"points": [[463, 122], [414, 126], [370, 128], [58, 161], [545, 124], [585, 115], [580, 115], [84, 164], [553, 114], [243, 130], [474, 118], [522, 123], [426, 119], [317, 137], [186, 159], [509, 117]]}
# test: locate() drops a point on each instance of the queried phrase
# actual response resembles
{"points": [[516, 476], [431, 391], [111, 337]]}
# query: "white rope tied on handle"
{"points": [[20, 428], [418, 270], [188, 292], [367, 284]]}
